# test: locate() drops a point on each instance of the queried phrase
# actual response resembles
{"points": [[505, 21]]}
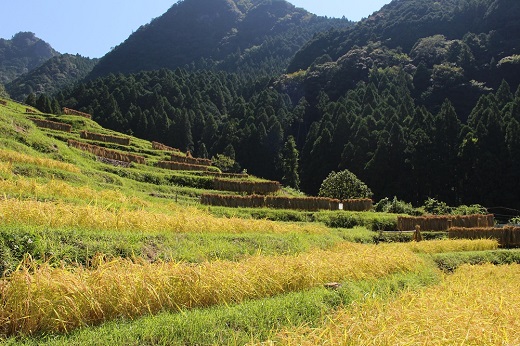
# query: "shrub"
{"points": [[384, 225], [432, 206], [225, 164], [341, 220], [470, 210], [515, 220], [395, 206], [344, 185]]}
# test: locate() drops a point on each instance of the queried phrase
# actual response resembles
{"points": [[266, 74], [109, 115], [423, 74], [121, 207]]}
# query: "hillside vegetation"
{"points": [[424, 92], [96, 250], [253, 38], [21, 54], [162, 206], [53, 75]]}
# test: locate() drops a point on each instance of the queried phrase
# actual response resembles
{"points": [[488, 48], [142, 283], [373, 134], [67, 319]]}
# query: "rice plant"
{"points": [[43, 299], [451, 245], [477, 305], [176, 219], [13, 156]]}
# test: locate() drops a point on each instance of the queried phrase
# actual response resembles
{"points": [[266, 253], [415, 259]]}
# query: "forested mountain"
{"points": [[403, 23], [205, 112], [55, 74], [21, 54], [456, 49], [254, 37], [429, 110]]}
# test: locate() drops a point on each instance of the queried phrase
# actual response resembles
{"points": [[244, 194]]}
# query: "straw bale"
{"points": [[69, 111], [107, 153], [177, 166], [51, 125], [160, 146], [104, 138], [507, 236], [444, 222], [190, 160]]}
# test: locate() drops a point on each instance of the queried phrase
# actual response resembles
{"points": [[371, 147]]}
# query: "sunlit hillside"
{"points": [[100, 245]]}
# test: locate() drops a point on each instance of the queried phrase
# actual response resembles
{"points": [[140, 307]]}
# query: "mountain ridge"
{"points": [[221, 34], [22, 53], [402, 23], [53, 75]]}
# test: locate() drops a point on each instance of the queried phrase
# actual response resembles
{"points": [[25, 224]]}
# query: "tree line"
{"points": [[376, 130]]}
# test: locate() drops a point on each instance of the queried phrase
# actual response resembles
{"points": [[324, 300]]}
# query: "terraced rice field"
{"points": [[93, 253]]}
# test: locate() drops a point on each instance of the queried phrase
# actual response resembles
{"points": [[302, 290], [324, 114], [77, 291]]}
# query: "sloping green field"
{"points": [[95, 252]]}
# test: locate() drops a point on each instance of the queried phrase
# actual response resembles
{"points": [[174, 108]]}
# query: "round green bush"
{"points": [[344, 185]]}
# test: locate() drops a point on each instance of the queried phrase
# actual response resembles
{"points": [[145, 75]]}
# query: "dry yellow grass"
{"points": [[45, 299], [13, 156], [452, 245], [176, 219], [478, 305], [21, 186], [6, 168]]}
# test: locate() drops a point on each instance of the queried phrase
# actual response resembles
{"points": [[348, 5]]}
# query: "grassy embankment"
{"points": [[84, 243]]}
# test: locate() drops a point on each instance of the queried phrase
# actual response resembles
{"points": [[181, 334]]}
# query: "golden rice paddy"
{"points": [[13, 156], [453, 245], [42, 299], [178, 220], [478, 305]]}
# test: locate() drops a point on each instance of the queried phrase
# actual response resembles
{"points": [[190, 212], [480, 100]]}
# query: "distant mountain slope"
{"points": [[232, 35], [403, 22], [57, 73], [21, 54], [420, 100], [455, 49]]}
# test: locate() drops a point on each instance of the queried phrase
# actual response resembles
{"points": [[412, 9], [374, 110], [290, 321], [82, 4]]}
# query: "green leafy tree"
{"points": [[395, 206], [225, 163], [43, 103], [447, 75], [435, 207], [422, 77], [344, 185], [56, 108], [229, 151], [504, 94], [31, 100], [3, 93], [432, 49], [202, 151], [289, 158]]}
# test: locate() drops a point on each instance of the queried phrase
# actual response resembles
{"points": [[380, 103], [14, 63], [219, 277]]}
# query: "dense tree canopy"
{"points": [[419, 101], [344, 185], [22, 53], [376, 130], [56, 73]]}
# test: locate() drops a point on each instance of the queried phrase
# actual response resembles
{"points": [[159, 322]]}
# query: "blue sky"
{"points": [[92, 27]]}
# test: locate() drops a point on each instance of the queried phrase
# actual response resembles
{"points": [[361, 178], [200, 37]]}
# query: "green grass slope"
{"points": [[98, 251]]}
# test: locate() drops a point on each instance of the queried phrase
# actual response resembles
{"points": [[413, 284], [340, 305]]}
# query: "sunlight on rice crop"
{"points": [[40, 298], [452, 245], [478, 305], [6, 168], [178, 219], [21, 186], [13, 156]]}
